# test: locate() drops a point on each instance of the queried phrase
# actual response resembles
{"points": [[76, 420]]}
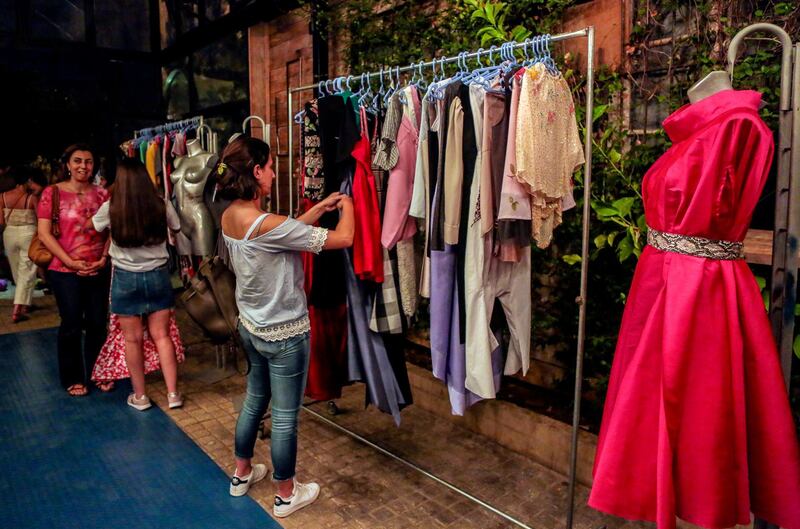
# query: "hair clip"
{"points": [[221, 168]]}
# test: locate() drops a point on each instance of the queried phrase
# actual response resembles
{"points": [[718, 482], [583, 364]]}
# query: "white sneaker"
{"points": [[240, 486], [175, 399], [302, 495], [139, 403]]}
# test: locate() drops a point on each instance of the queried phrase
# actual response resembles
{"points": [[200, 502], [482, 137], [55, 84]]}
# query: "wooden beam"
{"points": [[758, 247]]}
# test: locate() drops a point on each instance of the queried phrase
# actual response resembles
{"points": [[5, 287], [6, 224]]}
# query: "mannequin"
{"points": [[189, 178], [712, 83]]}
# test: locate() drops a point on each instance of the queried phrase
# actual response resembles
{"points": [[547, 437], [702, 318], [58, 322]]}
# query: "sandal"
{"points": [[106, 386], [77, 390], [18, 315]]}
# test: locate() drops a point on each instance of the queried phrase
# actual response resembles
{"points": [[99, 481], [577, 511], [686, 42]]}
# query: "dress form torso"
{"points": [[189, 179], [712, 83]]}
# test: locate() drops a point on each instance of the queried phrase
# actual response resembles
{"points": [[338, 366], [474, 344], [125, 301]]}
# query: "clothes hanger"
{"points": [[389, 89], [548, 59], [423, 83], [377, 97], [484, 74]]}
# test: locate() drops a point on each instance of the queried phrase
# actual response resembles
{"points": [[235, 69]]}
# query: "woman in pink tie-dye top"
{"points": [[78, 274]]}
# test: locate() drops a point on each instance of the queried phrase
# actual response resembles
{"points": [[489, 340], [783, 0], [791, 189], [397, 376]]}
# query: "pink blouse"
{"points": [[397, 224], [78, 237]]}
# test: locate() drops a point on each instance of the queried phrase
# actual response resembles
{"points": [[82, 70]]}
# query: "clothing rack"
{"points": [[588, 34], [196, 122], [786, 231]]}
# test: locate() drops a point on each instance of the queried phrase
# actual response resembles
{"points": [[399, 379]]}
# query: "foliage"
{"points": [[673, 44]]}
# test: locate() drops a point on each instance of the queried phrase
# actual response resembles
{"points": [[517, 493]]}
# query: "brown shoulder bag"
{"points": [[37, 251]]}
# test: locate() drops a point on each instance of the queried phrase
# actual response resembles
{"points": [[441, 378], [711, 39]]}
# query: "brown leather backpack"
{"points": [[210, 300]]}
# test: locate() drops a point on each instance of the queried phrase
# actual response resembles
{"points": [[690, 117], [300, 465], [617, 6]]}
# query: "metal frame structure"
{"points": [[196, 121], [589, 34], [786, 232]]}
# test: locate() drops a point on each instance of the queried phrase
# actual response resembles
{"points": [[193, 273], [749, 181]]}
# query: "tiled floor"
{"points": [[44, 315], [361, 487]]}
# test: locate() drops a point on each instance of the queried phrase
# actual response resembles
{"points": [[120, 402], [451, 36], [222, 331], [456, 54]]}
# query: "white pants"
{"points": [[488, 278], [17, 240]]}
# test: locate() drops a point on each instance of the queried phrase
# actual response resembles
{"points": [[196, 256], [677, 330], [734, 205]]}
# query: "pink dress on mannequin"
{"points": [[697, 421]]}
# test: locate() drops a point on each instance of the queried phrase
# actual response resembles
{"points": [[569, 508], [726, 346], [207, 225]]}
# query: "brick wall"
{"points": [[280, 57]]}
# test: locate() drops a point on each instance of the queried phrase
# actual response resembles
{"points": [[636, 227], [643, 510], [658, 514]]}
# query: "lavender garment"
{"points": [[448, 352]]}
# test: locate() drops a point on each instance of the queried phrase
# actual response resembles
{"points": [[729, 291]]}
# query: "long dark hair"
{"points": [[235, 177], [138, 213]]}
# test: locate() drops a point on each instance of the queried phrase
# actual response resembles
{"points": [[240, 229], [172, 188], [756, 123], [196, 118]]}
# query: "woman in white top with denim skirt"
{"points": [[264, 253], [141, 289]]}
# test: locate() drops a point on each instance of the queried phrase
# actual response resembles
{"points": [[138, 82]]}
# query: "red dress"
{"points": [[697, 420], [367, 250], [327, 366], [111, 363]]}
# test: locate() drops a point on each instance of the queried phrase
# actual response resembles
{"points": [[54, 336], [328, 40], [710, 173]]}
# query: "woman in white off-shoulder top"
{"points": [[265, 255]]}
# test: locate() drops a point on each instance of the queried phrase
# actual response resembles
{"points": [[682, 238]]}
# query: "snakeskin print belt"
{"points": [[695, 246]]}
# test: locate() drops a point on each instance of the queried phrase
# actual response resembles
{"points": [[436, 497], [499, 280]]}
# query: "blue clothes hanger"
{"points": [[548, 60]]}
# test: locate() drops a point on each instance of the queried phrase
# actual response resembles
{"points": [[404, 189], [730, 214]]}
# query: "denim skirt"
{"points": [[137, 293]]}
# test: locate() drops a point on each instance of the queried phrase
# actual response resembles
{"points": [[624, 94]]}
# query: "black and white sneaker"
{"points": [[240, 486], [302, 495]]}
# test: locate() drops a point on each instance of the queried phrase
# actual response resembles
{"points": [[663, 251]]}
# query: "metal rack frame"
{"points": [[786, 232], [589, 34]]}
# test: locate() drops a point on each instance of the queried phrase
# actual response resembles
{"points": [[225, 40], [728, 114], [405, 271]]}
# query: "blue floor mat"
{"points": [[93, 462]]}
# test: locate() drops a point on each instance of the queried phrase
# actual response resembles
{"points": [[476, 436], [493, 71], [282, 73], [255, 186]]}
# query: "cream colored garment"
{"points": [[480, 341], [453, 172], [548, 147], [17, 240]]}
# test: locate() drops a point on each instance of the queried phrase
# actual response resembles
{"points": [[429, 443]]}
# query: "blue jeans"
{"points": [[277, 370]]}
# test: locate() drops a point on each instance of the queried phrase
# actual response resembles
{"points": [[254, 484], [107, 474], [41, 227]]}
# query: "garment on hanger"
{"points": [[447, 300], [166, 165], [387, 314], [421, 199], [548, 147], [368, 359], [313, 178], [437, 220], [514, 214], [151, 161], [508, 283], [326, 290], [143, 151], [387, 153], [367, 253], [697, 422], [179, 145], [397, 225]]}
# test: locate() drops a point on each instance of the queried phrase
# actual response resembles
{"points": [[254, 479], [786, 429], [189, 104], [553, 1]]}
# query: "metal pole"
{"points": [[782, 275], [448, 60], [290, 143], [587, 196], [793, 247], [422, 471]]}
